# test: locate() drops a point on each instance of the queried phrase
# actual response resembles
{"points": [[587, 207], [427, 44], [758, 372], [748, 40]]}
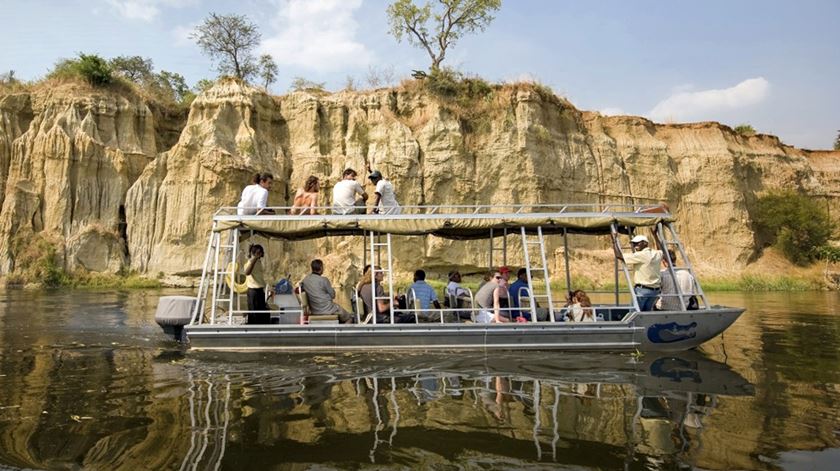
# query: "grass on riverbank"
{"points": [[86, 280]]}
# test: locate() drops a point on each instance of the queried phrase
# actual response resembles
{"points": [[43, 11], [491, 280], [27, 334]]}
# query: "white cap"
{"points": [[639, 238]]}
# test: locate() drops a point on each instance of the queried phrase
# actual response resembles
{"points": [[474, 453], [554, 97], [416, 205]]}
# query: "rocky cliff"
{"points": [[99, 174]]}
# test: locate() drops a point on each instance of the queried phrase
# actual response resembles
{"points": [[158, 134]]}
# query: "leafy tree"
{"points": [[268, 70], [174, 84], [796, 224], [745, 130], [438, 29], [836, 140], [135, 68], [203, 85], [300, 84], [229, 40]]}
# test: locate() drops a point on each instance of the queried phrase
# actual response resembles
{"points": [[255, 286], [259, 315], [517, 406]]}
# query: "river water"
{"points": [[88, 381]]}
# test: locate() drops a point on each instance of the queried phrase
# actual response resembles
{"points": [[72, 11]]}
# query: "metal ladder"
{"points": [[537, 241], [222, 294], [674, 241], [376, 246]]}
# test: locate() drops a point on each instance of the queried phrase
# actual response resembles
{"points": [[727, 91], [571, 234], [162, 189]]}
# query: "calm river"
{"points": [[88, 381]]}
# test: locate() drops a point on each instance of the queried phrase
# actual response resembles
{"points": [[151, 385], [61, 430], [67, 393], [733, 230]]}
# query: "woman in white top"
{"points": [[385, 201], [580, 307]]}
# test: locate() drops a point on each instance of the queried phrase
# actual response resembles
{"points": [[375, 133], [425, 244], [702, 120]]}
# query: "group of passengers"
{"points": [[348, 196]]}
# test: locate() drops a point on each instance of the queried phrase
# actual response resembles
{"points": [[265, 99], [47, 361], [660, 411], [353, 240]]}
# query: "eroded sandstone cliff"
{"points": [[94, 172]]}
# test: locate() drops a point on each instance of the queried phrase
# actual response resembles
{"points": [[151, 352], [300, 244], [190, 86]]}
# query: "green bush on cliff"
{"points": [[89, 67], [795, 223], [744, 130], [837, 141]]}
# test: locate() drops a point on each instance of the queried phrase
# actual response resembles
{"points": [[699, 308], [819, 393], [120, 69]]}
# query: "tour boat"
{"points": [[213, 320]]}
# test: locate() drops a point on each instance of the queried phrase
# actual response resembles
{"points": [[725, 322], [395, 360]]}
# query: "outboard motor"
{"points": [[173, 313]]}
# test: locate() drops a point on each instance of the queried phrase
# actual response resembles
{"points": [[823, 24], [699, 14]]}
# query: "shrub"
{"points": [[795, 223], [89, 67], [37, 260], [744, 130], [300, 84], [837, 141]]}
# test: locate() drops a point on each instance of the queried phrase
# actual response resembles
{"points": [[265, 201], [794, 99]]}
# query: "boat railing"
{"points": [[577, 209]]}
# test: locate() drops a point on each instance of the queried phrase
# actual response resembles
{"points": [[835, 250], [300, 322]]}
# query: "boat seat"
{"points": [[307, 312]]}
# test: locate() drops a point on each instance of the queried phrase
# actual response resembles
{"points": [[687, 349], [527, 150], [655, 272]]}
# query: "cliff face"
{"points": [[85, 169]]}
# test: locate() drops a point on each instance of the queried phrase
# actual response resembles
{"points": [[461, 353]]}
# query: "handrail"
{"points": [[526, 208]]}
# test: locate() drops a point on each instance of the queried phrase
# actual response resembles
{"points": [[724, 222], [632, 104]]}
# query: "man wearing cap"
{"points": [[645, 265], [385, 202]]}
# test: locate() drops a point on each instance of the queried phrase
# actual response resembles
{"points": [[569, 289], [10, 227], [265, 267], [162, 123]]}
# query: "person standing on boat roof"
{"points": [[345, 200], [254, 197], [645, 265], [306, 198], [385, 201], [257, 307]]}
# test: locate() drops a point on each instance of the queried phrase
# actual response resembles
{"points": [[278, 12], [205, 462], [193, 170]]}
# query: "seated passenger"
{"points": [[385, 202], [668, 300], [425, 294], [254, 197], [321, 294], [454, 287], [368, 289], [489, 298], [345, 199], [306, 198], [519, 288], [580, 307]]}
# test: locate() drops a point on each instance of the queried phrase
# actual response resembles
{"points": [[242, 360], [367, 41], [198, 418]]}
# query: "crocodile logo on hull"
{"points": [[671, 332]]}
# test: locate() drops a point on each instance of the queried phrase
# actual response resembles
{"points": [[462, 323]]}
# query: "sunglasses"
{"points": [[498, 277]]}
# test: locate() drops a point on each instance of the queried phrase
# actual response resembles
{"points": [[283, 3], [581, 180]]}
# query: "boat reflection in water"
{"points": [[504, 410]]}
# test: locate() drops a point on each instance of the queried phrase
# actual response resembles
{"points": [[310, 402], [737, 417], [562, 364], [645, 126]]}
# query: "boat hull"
{"points": [[649, 331]]}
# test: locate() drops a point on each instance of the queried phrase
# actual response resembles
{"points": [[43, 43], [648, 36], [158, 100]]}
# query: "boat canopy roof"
{"points": [[450, 222]]}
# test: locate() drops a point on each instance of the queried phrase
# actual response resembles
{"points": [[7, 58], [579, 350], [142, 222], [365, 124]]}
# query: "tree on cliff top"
{"points": [[268, 70], [837, 141], [439, 29], [229, 40]]}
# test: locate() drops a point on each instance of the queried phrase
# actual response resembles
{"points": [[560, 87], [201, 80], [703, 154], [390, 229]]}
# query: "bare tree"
{"points": [[438, 29], [230, 40], [268, 70]]}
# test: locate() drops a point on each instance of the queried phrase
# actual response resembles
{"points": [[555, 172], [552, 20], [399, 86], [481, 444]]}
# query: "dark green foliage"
{"points": [[796, 223], [449, 83], [744, 130], [837, 141], [90, 67], [268, 70], [134, 68]]}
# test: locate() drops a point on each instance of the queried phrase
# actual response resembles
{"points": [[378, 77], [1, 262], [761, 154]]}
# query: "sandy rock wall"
{"points": [[120, 183], [68, 173]]}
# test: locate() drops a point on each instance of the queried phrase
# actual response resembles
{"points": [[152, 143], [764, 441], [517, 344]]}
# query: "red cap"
{"points": [[504, 269]]}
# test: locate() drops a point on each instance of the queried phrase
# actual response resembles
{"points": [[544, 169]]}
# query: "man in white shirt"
{"points": [[254, 197], [645, 265], [345, 200], [385, 201]]}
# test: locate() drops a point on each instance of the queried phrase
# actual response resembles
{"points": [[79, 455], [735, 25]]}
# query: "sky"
{"points": [[772, 64]]}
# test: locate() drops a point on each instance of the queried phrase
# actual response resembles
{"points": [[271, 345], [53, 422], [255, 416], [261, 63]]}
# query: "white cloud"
{"points": [[705, 104], [182, 33], [318, 35], [144, 10], [612, 111]]}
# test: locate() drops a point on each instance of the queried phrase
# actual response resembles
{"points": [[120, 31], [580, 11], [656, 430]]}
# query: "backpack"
{"points": [[284, 286]]}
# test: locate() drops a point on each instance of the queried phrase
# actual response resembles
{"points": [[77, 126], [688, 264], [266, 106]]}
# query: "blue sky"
{"points": [[773, 64]]}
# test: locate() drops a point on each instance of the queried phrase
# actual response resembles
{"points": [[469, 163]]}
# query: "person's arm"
{"points": [[361, 192], [497, 306], [436, 303], [249, 265], [329, 289]]}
